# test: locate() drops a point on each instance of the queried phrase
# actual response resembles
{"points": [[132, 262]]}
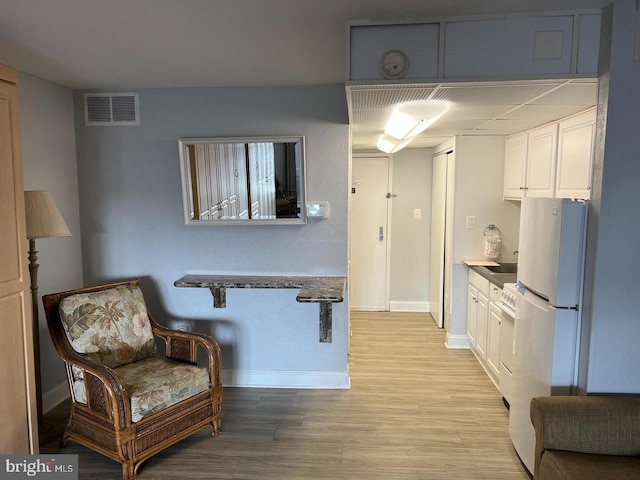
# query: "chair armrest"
{"points": [[607, 425], [183, 346], [115, 398]]}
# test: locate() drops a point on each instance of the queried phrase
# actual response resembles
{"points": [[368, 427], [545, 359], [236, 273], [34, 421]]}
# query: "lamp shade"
{"points": [[43, 217], [409, 119]]}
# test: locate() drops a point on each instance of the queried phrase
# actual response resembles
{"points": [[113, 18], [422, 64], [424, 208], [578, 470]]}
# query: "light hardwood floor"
{"points": [[415, 410]]}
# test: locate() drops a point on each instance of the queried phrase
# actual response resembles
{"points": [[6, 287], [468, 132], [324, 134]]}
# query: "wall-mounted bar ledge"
{"points": [[322, 290]]}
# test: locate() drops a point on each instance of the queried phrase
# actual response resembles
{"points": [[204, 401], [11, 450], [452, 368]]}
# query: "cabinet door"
{"points": [[575, 156], [541, 162], [493, 339], [472, 294], [515, 161], [482, 319], [17, 395]]}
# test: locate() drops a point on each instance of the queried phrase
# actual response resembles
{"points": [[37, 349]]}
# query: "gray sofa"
{"points": [[582, 438]]}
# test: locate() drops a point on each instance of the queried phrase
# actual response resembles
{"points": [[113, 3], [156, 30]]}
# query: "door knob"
{"points": [[381, 234]]}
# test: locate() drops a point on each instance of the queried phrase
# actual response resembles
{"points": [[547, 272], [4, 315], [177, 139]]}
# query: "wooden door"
{"points": [[18, 421]]}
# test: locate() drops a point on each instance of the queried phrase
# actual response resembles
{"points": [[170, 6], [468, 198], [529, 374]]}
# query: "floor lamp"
{"points": [[43, 220]]}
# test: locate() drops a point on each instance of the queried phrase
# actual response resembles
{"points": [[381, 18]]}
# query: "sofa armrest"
{"points": [[608, 425]]}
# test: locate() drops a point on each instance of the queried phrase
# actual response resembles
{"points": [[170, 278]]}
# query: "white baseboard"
{"points": [[397, 306], [285, 379], [54, 397], [241, 378], [457, 341]]}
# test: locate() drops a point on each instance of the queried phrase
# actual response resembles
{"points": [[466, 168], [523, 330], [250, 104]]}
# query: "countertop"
{"points": [[498, 279]]}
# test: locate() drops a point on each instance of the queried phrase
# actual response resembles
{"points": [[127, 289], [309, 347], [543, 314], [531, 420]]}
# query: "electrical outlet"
{"points": [[471, 222]]}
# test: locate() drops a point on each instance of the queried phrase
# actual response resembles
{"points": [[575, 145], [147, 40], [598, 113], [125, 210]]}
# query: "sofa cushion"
{"points": [[111, 327], [154, 384], [561, 465]]}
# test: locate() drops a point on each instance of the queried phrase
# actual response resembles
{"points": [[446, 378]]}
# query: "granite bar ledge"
{"points": [[313, 289]]}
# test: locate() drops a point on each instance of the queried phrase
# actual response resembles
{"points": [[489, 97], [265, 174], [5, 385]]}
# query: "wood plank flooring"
{"points": [[415, 410]]}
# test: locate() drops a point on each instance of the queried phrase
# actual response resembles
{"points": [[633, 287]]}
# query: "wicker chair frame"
{"points": [[104, 423]]}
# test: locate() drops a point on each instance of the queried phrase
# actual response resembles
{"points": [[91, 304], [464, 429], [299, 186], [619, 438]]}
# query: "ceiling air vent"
{"points": [[104, 109]]}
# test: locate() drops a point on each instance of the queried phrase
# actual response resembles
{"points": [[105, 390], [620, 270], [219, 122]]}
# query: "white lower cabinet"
{"points": [[493, 340], [483, 323], [477, 312]]}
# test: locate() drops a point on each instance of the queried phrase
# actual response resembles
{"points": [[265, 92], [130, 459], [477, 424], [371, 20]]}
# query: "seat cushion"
{"points": [[560, 465], [155, 383], [111, 326]]}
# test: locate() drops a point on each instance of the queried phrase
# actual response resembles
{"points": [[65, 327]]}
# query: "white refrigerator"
{"points": [[550, 274]]}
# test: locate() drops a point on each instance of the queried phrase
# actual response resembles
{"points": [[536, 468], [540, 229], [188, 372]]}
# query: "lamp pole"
{"points": [[44, 430], [43, 220]]}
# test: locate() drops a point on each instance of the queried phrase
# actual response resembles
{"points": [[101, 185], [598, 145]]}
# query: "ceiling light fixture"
{"points": [[409, 119], [389, 144]]}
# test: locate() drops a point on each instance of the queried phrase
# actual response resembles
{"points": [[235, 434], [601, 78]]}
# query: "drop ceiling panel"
{"points": [[571, 94], [507, 127], [491, 95], [479, 112], [380, 97], [486, 108], [542, 112]]}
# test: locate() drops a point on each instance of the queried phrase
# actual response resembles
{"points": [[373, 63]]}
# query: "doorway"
{"points": [[369, 223]]}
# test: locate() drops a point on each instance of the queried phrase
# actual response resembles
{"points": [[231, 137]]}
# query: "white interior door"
{"points": [[438, 216], [368, 286]]}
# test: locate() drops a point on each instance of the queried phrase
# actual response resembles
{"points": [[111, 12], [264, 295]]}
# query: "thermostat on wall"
{"points": [[318, 209]]}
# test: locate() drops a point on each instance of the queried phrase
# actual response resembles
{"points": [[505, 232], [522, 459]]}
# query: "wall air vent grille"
{"points": [[110, 109]]}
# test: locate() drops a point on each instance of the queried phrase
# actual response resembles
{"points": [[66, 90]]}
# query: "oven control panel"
{"points": [[509, 295]]}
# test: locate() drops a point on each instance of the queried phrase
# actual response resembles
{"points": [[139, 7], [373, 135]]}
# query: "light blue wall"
{"points": [[410, 238], [132, 225], [49, 163], [614, 354]]}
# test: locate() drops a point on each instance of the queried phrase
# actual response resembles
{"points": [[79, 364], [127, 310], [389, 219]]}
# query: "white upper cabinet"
{"points": [[530, 163], [541, 162], [515, 161], [576, 137], [551, 161]]}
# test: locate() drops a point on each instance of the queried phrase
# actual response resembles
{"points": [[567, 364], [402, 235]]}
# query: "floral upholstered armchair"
{"points": [[129, 402]]}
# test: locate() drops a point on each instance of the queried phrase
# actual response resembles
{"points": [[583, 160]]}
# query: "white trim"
{"points": [[285, 379], [242, 378], [457, 342], [402, 306], [54, 397]]}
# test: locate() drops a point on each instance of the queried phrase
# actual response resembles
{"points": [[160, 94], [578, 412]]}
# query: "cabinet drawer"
{"points": [[478, 281], [494, 293]]}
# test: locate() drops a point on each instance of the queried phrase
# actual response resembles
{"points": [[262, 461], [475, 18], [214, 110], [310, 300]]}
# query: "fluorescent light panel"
{"points": [[389, 144], [412, 118]]}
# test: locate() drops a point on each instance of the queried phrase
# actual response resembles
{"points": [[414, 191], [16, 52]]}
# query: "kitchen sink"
{"points": [[503, 268]]}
